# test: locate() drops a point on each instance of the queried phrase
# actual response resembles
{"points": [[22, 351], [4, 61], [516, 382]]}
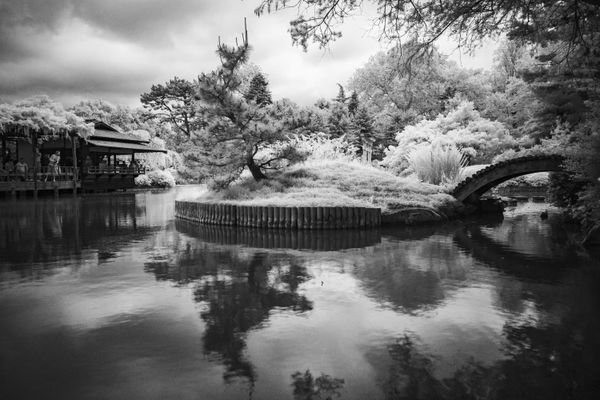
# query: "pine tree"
{"points": [[361, 128], [259, 91], [341, 97], [353, 103], [239, 133]]}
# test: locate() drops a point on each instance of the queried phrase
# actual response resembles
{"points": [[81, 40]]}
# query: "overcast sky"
{"points": [[116, 49]]}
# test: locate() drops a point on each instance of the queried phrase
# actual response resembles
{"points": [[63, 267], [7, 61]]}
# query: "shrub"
{"points": [[156, 178], [321, 147], [475, 136], [142, 181], [437, 164]]}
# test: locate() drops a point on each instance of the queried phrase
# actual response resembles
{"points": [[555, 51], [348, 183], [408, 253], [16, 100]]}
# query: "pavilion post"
{"points": [[74, 155], [34, 150]]}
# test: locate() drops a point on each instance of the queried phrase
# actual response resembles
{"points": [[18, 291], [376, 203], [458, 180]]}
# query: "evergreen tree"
{"points": [[259, 91], [338, 121], [353, 103], [341, 97], [361, 129]]}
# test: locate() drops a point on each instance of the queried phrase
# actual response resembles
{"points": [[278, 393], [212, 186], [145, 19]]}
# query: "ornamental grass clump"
{"points": [[437, 164]]}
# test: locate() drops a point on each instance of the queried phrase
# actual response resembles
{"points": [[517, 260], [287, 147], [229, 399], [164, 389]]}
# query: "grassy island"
{"points": [[330, 183]]}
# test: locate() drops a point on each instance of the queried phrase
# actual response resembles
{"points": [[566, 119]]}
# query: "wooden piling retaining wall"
{"points": [[313, 218]]}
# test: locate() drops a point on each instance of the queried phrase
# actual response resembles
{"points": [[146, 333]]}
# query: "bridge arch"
{"points": [[471, 188]]}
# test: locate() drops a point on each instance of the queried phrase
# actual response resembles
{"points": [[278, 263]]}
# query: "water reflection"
{"points": [[541, 361], [329, 240], [237, 291], [41, 233], [138, 305]]}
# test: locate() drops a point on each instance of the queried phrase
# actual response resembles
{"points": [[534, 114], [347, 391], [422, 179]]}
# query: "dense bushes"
{"points": [[156, 178], [476, 137]]}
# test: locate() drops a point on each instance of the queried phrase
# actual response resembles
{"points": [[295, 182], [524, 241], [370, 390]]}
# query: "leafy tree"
{"points": [[508, 58], [43, 115], [468, 21], [174, 103], [239, 133], [477, 137], [517, 107], [119, 116], [259, 91]]}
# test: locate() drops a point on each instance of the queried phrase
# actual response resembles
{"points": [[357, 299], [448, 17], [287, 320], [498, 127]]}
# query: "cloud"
{"points": [[116, 49], [152, 22]]}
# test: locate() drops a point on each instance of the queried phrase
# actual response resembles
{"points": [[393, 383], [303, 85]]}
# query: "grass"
{"points": [[437, 164], [335, 183]]}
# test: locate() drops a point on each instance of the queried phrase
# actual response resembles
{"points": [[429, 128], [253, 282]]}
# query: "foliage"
{"points": [[308, 388], [399, 93], [237, 131], [119, 116], [564, 189], [173, 103], [258, 91], [389, 84], [338, 120], [468, 21], [155, 178], [537, 179], [437, 164], [353, 103], [341, 96], [42, 114], [361, 129], [475, 136], [517, 107], [321, 147]]}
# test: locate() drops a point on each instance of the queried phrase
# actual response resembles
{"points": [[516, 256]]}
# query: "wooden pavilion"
{"points": [[97, 158]]}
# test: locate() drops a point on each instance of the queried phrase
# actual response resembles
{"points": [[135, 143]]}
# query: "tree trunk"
{"points": [[257, 174]]}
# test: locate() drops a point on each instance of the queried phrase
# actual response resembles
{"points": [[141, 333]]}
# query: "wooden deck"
{"points": [[93, 179]]}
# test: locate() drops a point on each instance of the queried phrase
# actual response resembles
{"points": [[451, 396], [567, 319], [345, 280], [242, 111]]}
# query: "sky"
{"points": [[115, 50]]}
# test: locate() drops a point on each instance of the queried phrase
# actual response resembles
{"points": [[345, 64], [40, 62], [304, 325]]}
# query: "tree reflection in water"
{"points": [[540, 364], [542, 360], [308, 388], [238, 291]]}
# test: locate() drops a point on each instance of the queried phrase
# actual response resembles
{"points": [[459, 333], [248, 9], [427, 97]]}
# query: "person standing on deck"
{"points": [[53, 165], [21, 169]]}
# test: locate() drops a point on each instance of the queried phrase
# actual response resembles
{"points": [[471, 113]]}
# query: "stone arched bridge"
{"points": [[470, 189]]}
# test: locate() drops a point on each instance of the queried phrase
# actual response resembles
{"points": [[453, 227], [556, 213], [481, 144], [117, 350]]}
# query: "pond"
{"points": [[110, 297]]}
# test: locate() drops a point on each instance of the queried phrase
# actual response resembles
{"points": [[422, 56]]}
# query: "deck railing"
{"points": [[66, 173], [44, 174], [114, 170]]}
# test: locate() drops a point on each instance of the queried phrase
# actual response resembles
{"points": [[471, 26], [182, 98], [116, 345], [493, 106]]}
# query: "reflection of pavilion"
{"points": [[72, 228]]}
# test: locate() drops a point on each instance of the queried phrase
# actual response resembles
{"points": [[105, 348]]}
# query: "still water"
{"points": [[111, 297]]}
